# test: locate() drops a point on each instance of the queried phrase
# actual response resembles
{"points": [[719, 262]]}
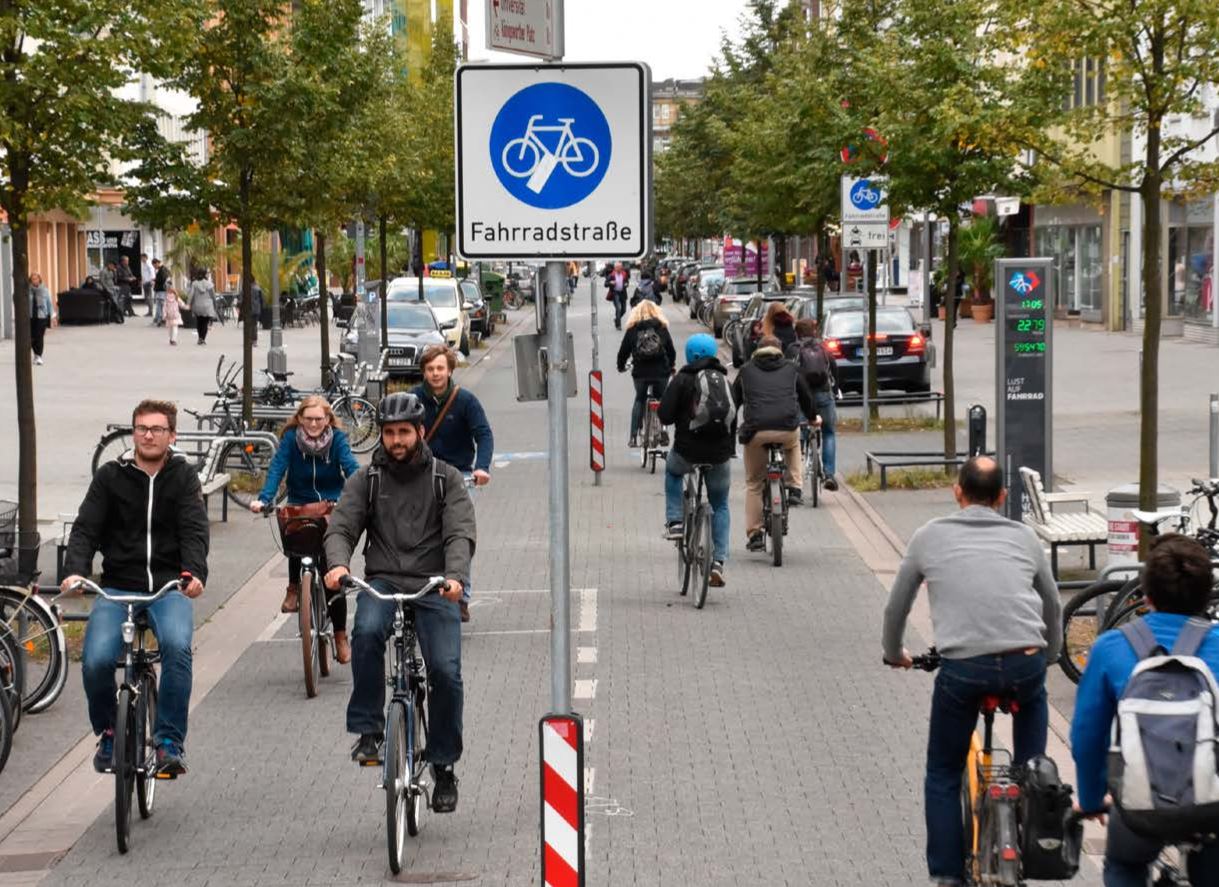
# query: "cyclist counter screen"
{"points": [[1023, 344]]}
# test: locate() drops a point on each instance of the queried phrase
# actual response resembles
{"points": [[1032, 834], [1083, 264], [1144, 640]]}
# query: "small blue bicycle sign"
{"points": [[550, 145], [865, 195]]}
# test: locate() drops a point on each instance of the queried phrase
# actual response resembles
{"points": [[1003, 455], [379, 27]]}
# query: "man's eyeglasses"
{"points": [[153, 430]]}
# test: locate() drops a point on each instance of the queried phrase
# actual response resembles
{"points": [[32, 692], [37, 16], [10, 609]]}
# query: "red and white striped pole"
{"points": [[562, 751], [596, 425]]}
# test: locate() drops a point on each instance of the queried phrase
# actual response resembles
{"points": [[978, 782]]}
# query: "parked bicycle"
{"points": [[406, 777], [695, 551], [134, 764], [31, 621], [810, 456], [12, 679], [774, 502], [358, 414]]}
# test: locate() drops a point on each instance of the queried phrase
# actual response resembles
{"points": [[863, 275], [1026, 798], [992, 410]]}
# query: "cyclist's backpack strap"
{"points": [[1193, 633], [438, 480], [1138, 633], [374, 490]]}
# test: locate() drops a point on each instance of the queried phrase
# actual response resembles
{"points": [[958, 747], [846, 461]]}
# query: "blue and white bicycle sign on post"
{"points": [[529, 157], [864, 196]]}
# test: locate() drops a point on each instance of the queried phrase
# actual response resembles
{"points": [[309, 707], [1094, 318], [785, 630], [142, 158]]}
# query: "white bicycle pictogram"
{"points": [[578, 156]]}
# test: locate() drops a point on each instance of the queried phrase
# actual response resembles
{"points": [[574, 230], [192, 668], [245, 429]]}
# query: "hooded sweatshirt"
{"points": [[770, 394]]}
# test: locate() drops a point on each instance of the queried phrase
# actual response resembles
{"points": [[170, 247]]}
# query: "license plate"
{"points": [[400, 362], [884, 351]]}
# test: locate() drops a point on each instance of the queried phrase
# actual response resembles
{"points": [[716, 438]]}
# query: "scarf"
{"points": [[318, 447]]}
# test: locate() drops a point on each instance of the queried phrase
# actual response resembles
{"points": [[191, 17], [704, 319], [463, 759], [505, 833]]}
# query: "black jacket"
{"points": [[412, 535], [139, 554], [770, 394], [160, 283], [677, 408], [656, 368]]}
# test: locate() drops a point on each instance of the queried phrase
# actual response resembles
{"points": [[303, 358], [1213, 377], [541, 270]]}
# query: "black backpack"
{"points": [[648, 345], [814, 363]]}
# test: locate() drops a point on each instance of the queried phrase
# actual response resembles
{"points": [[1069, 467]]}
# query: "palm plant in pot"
{"points": [[980, 247]]}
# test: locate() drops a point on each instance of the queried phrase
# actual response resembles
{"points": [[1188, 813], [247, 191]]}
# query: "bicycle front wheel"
{"points": [[6, 730], [1082, 621], [112, 445], [359, 418], [146, 760], [124, 768], [513, 300], [396, 781], [702, 553], [40, 638], [416, 801], [305, 621], [321, 624]]}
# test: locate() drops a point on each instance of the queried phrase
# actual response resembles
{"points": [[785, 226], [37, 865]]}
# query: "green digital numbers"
{"points": [[1028, 347], [1030, 325]]}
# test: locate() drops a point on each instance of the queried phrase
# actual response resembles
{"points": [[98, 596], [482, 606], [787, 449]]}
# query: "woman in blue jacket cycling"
{"points": [[314, 459]]}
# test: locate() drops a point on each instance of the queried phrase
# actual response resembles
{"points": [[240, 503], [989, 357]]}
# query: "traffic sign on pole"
{"points": [[866, 236], [864, 200], [527, 27], [553, 162]]}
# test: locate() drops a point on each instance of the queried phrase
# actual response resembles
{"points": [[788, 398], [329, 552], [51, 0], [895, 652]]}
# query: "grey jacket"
{"points": [[411, 535], [989, 584], [40, 302], [202, 299]]}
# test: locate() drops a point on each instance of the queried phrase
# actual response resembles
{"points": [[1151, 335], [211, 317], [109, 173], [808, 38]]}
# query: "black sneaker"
{"points": [[633, 442], [103, 758], [367, 750], [444, 794], [829, 483], [170, 760], [716, 580], [795, 496], [673, 530], [757, 541]]}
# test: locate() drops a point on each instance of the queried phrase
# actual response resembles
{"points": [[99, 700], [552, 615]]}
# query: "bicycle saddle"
{"points": [[1155, 518], [1005, 704]]}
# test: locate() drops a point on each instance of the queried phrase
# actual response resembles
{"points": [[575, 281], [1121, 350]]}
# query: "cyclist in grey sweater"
{"points": [[996, 615]]}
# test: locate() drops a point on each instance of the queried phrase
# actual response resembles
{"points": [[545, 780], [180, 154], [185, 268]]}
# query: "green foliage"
{"points": [[979, 247], [192, 248]]}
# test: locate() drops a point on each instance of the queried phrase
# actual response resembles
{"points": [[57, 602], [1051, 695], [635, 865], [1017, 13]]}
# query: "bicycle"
{"points": [[513, 300], [301, 529], [651, 441], [774, 501], [33, 623], [568, 153], [12, 682], [135, 764], [358, 414], [405, 775], [990, 797], [810, 457], [695, 549]]}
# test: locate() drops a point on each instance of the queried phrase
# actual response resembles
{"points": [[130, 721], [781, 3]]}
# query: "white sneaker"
{"points": [[37, 360]]}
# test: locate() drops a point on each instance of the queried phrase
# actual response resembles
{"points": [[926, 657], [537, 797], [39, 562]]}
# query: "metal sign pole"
{"points": [[277, 356], [596, 362], [560, 567], [867, 343]]}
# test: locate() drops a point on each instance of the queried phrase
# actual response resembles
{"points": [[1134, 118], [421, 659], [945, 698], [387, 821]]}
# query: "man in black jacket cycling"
{"points": [[772, 397], [144, 512], [710, 442]]}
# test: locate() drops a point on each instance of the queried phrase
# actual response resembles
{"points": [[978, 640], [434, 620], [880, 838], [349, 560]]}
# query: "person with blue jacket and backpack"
{"points": [[314, 459], [1177, 580]]}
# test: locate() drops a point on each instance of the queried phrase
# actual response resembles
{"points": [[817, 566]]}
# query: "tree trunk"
{"points": [[950, 323], [27, 437], [870, 344], [383, 285], [781, 260], [247, 320], [822, 247], [323, 305], [1149, 381], [757, 262]]}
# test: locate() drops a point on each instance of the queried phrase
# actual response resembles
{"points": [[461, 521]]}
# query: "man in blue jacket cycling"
{"points": [[455, 426], [1177, 582]]}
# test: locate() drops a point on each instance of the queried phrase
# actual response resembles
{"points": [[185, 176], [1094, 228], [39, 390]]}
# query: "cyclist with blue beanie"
{"points": [[698, 403]]}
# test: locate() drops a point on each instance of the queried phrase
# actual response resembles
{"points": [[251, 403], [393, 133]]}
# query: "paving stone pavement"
{"points": [[756, 742]]}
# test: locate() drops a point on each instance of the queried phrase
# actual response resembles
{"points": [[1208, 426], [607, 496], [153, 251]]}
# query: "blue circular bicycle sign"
{"points": [[550, 145], [865, 195]]}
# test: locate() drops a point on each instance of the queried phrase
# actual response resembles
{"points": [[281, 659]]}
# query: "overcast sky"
{"points": [[677, 38]]}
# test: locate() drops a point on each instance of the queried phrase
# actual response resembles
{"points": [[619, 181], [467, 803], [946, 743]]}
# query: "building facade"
{"points": [[669, 98]]}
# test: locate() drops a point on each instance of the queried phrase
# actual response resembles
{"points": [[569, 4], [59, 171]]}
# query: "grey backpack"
{"points": [[1163, 774], [712, 406]]}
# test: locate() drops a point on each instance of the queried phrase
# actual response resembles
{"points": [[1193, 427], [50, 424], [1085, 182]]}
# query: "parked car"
{"points": [[682, 278], [442, 294], [731, 300], [741, 335], [830, 301], [706, 285], [412, 328], [476, 308], [901, 349]]}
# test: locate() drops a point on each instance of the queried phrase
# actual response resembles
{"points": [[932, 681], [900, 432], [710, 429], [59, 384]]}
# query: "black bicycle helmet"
{"points": [[400, 406]]}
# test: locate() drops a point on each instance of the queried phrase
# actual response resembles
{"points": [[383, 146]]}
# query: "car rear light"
{"points": [[1013, 792], [834, 347], [916, 345]]}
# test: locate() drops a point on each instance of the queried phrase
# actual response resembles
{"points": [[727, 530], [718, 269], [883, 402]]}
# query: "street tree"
{"points": [[64, 129], [1158, 59]]}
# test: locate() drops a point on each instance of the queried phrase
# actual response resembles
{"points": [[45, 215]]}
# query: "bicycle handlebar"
{"points": [[928, 661], [174, 585], [349, 582]]}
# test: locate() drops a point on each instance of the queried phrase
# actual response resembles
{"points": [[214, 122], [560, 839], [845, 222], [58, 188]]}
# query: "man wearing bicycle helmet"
{"points": [[699, 406], [997, 617], [144, 512], [418, 522]]}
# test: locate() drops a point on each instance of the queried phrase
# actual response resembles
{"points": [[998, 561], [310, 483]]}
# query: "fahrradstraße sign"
{"points": [[553, 161]]}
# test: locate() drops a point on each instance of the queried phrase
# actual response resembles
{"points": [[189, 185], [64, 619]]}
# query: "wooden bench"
{"points": [[1061, 529], [892, 398], [884, 460]]}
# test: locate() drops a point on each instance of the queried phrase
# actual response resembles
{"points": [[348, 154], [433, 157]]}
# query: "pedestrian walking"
{"points": [[160, 289], [202, 297], [173, 313], [127, 284], [147, 274], [41, 311], [617, 280]]}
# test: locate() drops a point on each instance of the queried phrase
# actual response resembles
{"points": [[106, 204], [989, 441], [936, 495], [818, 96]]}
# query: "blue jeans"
{"points": [[1128, 855], [824, 401], [959, 688], [438, 625], [158, 307], [172, 621], [719, 481], [642, 387]]}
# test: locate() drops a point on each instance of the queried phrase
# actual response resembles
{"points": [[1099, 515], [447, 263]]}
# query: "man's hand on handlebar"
{"points": [[905, 661], [481, 478], [451, 591], [334, 577]]}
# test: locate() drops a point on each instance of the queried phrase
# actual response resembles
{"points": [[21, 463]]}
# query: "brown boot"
{"points": [[291, 599], [465, 611], [342, 649]]}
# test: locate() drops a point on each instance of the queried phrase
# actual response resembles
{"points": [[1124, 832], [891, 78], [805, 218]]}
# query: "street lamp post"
{"points": [[277, 356]]}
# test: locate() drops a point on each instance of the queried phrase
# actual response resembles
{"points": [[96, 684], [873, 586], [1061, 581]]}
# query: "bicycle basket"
{"points": [[8, 516], [302, 528], [18, 557]]}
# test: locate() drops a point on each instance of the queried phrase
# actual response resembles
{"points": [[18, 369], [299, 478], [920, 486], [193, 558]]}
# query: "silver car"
{"points": [[732, 301]]}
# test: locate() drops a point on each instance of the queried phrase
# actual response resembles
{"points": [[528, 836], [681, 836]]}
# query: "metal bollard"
{"points": [[977, 430]]}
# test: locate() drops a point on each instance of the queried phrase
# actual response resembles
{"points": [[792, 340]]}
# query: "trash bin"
{"points": [[1123, 544]]}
